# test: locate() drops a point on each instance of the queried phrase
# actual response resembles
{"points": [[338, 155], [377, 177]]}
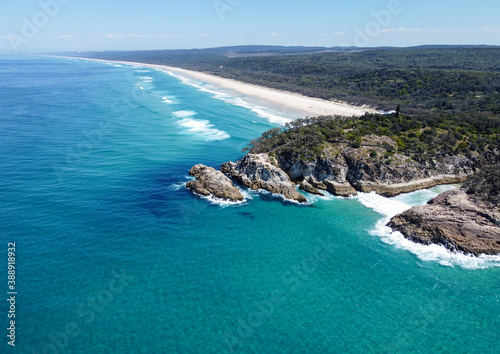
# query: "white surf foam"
{"points": [[385, 206], [264, 112], [184, 114], [203, 129], [261, 111], [247, 193], [326, 196], [166, 100], [114, 64], [281, 196], [177, 186], [200, 128], [224, 203], [212, 199], [390, 207]]}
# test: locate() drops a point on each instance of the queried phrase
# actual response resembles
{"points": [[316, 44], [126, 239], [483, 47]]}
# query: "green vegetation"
{"points": [[446, 99], [485, 185], [419, 137], [418, 79], [442, 79]]}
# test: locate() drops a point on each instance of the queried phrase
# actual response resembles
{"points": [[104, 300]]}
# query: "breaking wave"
{"points": [[390, 207], [201, 129]]}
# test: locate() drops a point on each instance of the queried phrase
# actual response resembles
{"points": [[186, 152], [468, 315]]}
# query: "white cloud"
{"points": [[67, 37], [307, 35], [328, 35], [442, 30], [114, 36]]}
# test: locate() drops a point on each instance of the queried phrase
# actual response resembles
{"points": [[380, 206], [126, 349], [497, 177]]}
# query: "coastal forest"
{"points": [[451, 79], [443, 100]]}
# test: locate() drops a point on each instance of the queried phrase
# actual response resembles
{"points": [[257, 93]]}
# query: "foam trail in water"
{"points": [[270, 115], [200, 128], [390, 207], [112, 64], [212, 199], [326, 196], [247, 193], [184, 114], [224, 203], [281, 197], [177, 186]]}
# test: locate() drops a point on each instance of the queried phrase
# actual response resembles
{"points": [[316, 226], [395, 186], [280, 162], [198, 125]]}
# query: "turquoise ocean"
{"points": [[114, 255]]}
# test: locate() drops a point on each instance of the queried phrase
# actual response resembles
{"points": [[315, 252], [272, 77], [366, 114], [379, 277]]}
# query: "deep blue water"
{"points": [[114, 255]]}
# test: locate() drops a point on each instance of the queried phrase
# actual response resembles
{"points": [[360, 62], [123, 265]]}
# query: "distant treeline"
{"points": [[447, 98], [454, 80]]}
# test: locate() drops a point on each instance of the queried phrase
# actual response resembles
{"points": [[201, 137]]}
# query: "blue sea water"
{"points": [[114, 255]]}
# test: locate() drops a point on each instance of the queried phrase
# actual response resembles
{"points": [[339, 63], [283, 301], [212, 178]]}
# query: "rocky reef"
{"points": [[259, 171], [209, 181], [454, 219]]}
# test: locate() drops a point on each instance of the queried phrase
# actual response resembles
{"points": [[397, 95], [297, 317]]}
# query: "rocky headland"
{"points": [[316, 158], [339, 169], [344, 170]]}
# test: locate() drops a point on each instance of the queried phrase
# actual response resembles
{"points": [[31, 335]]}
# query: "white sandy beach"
{"points": [[300, 104]]}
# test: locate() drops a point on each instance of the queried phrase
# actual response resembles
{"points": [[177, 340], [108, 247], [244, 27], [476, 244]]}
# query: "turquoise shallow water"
{"points": [[114, 255]]}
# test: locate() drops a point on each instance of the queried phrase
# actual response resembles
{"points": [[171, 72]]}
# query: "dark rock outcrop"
{"points": [[454, 220], [209, 181], [257, 171], [309, 188]]}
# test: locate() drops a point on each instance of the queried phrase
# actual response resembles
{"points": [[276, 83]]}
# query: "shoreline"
{"points": [[284, 101]]}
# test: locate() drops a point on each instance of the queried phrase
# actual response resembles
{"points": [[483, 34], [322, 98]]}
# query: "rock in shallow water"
{"points": [[454, 220], [257, 172], [309, 188], [209, 181]]}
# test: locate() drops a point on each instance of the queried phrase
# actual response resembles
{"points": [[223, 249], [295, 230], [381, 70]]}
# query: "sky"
{"points": [[38, 26]]}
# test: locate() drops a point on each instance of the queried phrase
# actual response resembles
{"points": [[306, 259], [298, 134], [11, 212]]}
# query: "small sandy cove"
{"points": [[299, 103]]}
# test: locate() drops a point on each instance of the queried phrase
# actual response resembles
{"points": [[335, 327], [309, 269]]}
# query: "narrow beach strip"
{"points": [[307, 105]]}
